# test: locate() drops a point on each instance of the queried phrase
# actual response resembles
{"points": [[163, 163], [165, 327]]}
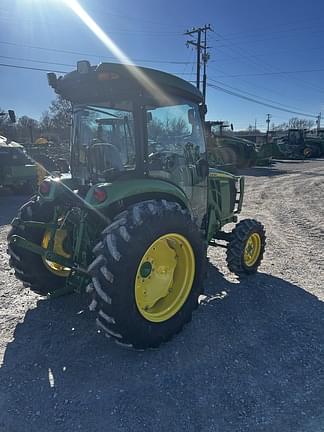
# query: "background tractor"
{"points": [[17, 171], [296, 144], [226, 150], [132, 222]]}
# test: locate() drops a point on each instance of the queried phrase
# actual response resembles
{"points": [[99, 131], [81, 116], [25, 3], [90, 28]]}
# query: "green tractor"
{"points": [[132, 222], [296, 144], [226, 150], [17, 171]]}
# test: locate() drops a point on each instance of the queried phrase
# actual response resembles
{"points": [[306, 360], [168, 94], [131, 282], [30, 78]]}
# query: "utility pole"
{"points": [[318, 122], [30, 127], [268, 122], [204, 57], [268, 126]]}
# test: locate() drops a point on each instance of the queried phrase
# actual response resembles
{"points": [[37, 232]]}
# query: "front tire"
{"points": [[246, 247], [28, 266], [147, 274]]}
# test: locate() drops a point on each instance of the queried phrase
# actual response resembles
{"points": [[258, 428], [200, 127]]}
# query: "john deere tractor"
{"points": [[17, 171], [227, 150], [296, 144], [132, 222]]}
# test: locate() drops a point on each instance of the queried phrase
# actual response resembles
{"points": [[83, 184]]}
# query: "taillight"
{"points": [[45, 187], [99, 195]]}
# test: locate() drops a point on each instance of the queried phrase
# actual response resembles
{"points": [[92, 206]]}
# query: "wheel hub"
{"points": [[252, 249], [59, 240], [146, 269], [164, 277]]}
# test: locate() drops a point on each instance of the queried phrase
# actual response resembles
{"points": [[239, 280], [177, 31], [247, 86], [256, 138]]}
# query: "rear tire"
{"points": [[28, 266], [311, 151], [115, 270], [229, 156], [246, 247]]}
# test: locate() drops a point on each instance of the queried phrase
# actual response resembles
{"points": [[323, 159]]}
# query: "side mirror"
{"points": [[202, 168], [12, 116]]}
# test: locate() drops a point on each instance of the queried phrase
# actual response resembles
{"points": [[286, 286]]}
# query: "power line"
{"points": [[111, 30], [215, 87], [254, 85], [36, 61], [64, 72], [273, 73], [101, 12], [252, 94], [31, 68], [88, 54], [252, 34], [264, 65]]}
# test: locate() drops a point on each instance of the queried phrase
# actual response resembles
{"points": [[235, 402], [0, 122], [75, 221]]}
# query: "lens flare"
{"points": [[156, 92]]}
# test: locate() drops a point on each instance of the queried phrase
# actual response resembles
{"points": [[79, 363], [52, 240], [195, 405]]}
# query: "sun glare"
{"points": [[150, 86]]}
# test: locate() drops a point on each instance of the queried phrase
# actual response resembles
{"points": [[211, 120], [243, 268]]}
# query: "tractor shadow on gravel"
{"points": [[251, 360], [263, 171]]}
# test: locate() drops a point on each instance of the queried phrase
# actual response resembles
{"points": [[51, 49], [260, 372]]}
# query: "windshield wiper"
{"points": [[95, 110]]}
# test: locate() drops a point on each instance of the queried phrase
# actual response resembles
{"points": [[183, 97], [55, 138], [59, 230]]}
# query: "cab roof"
{"points": [[109, 80]]}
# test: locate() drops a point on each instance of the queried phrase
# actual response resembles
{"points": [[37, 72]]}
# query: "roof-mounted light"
{"points": [[83, 67], [52, 79]]}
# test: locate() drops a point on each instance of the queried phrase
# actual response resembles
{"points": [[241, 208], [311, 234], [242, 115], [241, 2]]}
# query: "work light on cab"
{"points": [[83, 67]]}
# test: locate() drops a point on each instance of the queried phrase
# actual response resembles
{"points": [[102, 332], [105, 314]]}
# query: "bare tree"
{"points": [[26, 129], [298, 123], [46, 121], [60, 111], [293, 123]]}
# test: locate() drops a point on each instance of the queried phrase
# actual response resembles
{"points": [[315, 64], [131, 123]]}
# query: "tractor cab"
{"points": [[136, 123], [296, 137], [218, 128]]}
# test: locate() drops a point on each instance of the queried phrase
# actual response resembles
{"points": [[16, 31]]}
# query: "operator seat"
{"points": [[105, 156]]}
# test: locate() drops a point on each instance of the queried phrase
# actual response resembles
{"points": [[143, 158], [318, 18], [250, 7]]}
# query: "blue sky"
{"points": [[270, 51]]}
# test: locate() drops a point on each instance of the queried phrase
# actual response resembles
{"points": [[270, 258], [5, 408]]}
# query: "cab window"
{"points": [[175, 140]]}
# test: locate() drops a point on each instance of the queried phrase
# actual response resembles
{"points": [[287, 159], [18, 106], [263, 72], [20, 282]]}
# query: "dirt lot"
{"points": [[251, 360]]}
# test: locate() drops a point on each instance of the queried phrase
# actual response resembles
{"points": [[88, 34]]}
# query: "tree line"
{"points": [[53, 125]]}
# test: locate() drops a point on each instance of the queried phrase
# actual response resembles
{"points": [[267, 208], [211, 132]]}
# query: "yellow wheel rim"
{"points": [[307, 151], [59, 238], [164, 277], [252, 249]]}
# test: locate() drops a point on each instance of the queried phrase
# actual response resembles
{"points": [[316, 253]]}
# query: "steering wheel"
{"points": [[166, 159]]}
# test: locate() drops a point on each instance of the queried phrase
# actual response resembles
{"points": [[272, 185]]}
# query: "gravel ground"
{"points": [[251, 360]]}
